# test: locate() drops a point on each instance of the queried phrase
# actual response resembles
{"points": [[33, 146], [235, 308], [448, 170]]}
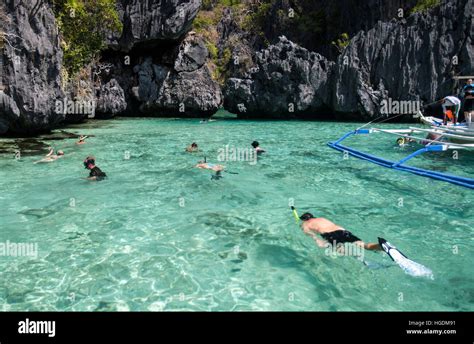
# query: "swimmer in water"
{"points": [[82, 140], [331, 233], [193, 148], [213, 167], [206, 120], [51, 157], [257, 148], [96, 173], [403, 141]]}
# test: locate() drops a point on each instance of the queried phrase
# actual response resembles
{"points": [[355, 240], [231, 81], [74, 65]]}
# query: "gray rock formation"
{"points": [[185, 90], [240, 43], [409, 59], [171, 78], [192, 55], [148, 21], [110, 100], [316, 23], [32, 60], [9, 112], [405, 60], [287, 81]]}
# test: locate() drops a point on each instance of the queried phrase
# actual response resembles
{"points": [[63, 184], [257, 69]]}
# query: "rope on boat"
{"points": [[392, 117], [387, 119]]}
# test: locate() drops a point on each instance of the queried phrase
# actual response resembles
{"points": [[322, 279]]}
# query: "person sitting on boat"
{"points": [[51, 157], [192, 148], [331, 233], [451, 103], [468, 95], [96, 173], [257, 148], [213, 167]]}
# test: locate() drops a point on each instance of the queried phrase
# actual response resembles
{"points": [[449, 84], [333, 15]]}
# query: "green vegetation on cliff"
{"points": [[254, 20], [424, 5], [84, 25], [342, 42], [247, 26], [205, 25]]}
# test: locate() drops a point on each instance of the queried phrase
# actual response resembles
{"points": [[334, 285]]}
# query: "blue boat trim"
{"points": [[399, 165]]}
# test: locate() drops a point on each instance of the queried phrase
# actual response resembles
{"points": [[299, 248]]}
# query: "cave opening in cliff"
{"points": [[161, 51]]}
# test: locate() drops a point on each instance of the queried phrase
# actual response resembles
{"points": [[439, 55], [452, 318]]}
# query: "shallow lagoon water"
{"points": [[160, 235]]}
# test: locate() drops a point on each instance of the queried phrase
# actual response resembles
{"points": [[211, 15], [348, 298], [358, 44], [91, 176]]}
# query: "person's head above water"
{"points": [[194, 145], [89, 161], [255, 144], [401, 141], [306, 217], [60, 152]]}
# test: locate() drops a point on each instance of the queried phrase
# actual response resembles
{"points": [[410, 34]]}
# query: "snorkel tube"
{"points": [[295, 214]]}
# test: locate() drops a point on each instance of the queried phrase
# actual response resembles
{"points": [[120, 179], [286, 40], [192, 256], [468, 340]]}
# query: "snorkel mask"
{"points": [[306, 217]]}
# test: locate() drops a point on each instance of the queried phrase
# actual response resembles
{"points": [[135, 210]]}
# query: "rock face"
{"points": [[110, 100], [186, 89], [192, 55], [287, 81], [331, 18], [403, 60], [407, 60], [32, 60], [170, 76], [167, 75], [148, 21], [232, 38]]}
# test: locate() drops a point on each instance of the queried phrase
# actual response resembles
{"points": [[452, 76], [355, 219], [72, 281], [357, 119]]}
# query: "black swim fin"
{"points": [[386, 246]]}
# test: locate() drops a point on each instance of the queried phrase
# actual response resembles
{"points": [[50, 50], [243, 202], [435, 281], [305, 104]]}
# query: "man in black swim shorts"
{"points": [[331, 233]]}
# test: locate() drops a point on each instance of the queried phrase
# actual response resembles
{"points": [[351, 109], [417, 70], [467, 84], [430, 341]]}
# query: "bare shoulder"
{"points": [[323, 220], [312, 224]]}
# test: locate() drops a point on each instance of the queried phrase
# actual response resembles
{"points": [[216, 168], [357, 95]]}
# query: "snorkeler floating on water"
{"points": [[82, 140], [96, 173], [335, 236], [51, 157], [213, 167], [331, 233]]}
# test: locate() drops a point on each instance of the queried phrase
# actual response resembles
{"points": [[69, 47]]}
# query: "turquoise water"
{"points": [[159, 235]]}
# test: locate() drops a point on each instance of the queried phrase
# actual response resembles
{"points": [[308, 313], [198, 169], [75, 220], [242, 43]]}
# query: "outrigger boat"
{"points": [[444, 138], [438, 122], [439, 137]]}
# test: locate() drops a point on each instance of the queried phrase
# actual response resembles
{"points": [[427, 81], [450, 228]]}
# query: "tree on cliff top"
{"points": [[84, 26]]}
